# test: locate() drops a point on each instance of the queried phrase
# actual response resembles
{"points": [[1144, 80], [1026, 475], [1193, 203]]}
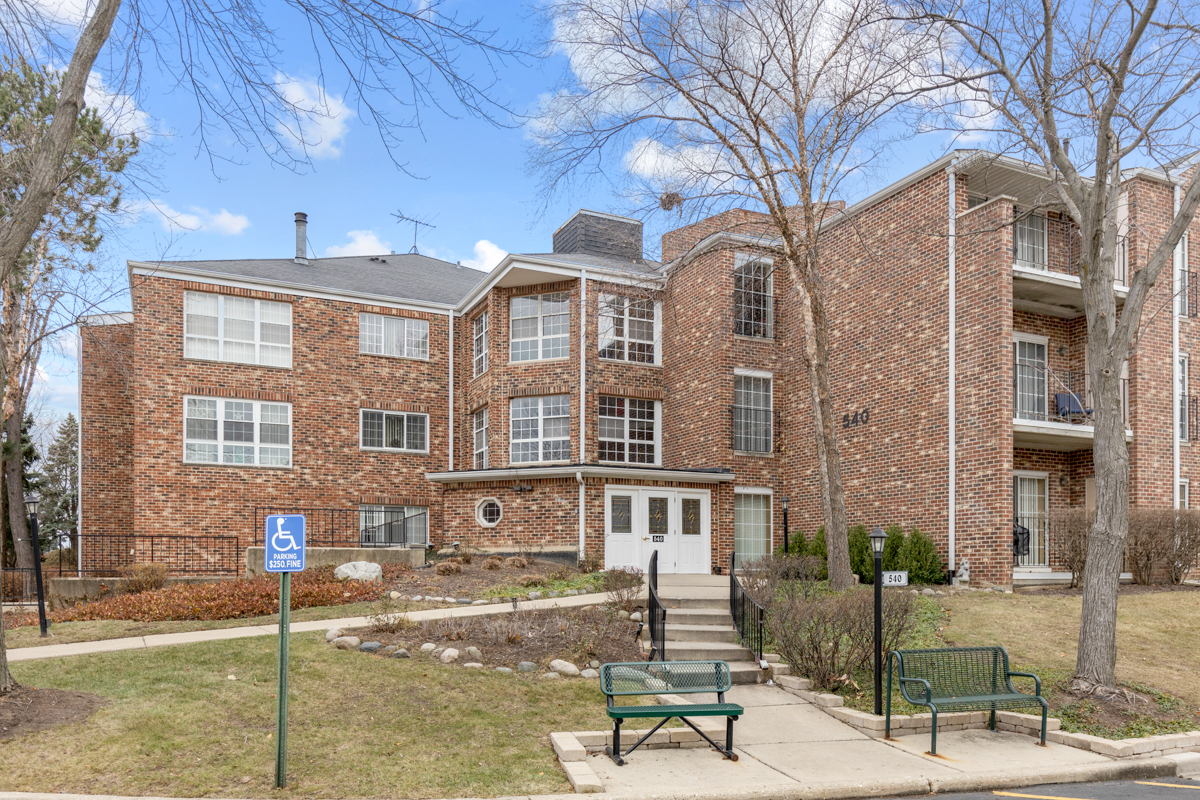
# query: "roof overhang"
{"points": [[585, 471], [120, 318], [526, 270]]}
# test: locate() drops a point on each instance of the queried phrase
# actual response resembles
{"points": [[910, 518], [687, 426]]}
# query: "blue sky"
{"points": [[475, 187]]}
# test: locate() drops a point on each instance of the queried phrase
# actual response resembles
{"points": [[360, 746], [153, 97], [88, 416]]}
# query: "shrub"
{"points": [[144, 577], [455, 560], [797, 545], [516, 562], [1068, 530], [829, 636], [815, 548], [624, 587], [778, 577], [466, 553], [530, 581], [12, 586], [391, 616], [448, 567], [1151, 538], [921, 559], [1185, 550], [592, 561], [862, 562], [495, 562], [893, 548], [564, 573]]}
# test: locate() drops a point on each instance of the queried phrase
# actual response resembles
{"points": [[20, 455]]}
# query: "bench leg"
{"points": [[933, 737], [727, 750], [992, 719], [615, 750], [729, 736], [1045, 709]]}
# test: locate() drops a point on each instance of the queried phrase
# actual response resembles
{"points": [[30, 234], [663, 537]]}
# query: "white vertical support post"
{"points": [[1175, 394], [952, 413], [450, 449]]}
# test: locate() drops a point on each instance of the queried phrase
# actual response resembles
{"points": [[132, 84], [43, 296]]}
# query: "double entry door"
{"points": [[676, 523]]}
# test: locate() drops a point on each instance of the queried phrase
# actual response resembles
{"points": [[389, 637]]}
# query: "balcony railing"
{"points": [[753, 430], [1041, 394], [354, 527], [1055, 245], [1189, 417], [1189, 294], [1029, 540]]}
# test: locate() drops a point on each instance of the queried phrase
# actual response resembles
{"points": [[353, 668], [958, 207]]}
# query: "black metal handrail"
{"points": [[748, 615], [353, 527], [657, 615], [1058, 247], [101, 555], [1056, 397]]}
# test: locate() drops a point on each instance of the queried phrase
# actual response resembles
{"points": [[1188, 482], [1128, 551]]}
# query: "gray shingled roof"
{"points": [[403, 276]]}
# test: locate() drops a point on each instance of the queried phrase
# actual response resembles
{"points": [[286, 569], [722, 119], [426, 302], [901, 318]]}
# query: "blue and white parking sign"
{"points": [[284, 543]]}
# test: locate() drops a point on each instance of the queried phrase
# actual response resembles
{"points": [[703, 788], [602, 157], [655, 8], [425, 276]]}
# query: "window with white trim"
{"points": [[751, 526], [481, 344], [393, 525], [488, 512], [219, 327], [541, 428], [481, 438], [1184, 485], [627, 430], [754, 297], [1184, 281], [401, 337], [540, 327], [627, 329], [753, 417], [394, 430], [230, 431], [1029, 241]]}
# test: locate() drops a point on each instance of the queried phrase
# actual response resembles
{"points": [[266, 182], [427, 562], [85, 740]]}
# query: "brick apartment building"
{"points": [[591, 400]]}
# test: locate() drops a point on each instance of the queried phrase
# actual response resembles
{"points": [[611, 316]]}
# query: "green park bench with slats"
{"points": [[960, 679], [625, 679]]}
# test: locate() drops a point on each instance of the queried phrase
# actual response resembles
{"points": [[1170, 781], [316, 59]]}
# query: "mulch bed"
{"points": [[1125, 590], [29, 709], [1124, 713], [473, 580], [578, 636]]}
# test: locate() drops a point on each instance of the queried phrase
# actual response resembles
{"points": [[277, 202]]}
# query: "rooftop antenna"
{"points": [[401, 217]]}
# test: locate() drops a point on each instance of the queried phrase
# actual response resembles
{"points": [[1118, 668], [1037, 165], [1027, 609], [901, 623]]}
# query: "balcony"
{"points": [[1053, 411], [1045, 267]]}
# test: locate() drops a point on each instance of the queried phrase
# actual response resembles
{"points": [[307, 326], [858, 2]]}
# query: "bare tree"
{"points": [[718, 104], [1117, 81]]}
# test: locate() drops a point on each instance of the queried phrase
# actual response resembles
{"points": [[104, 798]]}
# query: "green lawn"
{"points": [[97, 630], [361, 726]]}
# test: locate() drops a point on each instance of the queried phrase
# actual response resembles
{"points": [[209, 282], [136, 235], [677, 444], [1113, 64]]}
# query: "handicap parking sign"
{"points": [[284, 540]]}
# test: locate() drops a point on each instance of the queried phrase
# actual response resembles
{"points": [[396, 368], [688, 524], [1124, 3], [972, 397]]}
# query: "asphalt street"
{"points": [[1158, 789]]}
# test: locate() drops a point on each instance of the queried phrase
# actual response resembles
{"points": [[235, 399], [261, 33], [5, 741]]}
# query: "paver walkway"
{"points": [[163, 639], [785, 743]]}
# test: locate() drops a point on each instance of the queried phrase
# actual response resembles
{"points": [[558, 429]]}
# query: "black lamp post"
{"points": [[785, 526], [31, 507], [878, 538]]}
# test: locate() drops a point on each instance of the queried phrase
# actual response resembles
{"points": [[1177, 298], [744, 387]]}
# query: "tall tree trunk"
{"points": [[829, 462], [7, 683], [14, 489]]}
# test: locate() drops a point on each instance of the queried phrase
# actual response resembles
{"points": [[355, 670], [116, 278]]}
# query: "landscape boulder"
{"points": [[359, 571], [448, 656], [565, 668], [347, 642]]}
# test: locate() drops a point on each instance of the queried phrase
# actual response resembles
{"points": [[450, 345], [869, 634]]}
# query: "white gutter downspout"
{"points": [[582, 407], [450, 457], [79, 456], [953, 444], [1175, 288], [582, 500]]}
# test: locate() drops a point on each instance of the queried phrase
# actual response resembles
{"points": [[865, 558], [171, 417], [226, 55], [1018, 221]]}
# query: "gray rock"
{"points": [[391, 648], [589, 673], [927, 592], [347, 642], [594, 664], [332, 634], [564, 668], [428, 647], [417, 598], [448, 656], [370, 647], [635, 616], [395, 595], [527, 666], [479, 602], [464, 601], [623, 614], [535, 595], [401, 653], [437, 652], [359, 571], [554, 594], [474, 653], [505, 670], [473, 665], [448, 600], [551, 675]]}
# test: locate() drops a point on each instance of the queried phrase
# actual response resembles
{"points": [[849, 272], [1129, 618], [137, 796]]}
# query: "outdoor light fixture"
{"points": [[878, 538], [785, 524], [522, 487], [31, 505]]}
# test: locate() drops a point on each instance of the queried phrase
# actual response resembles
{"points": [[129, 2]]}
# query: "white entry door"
{"points": [[638, 521], [695, 540], [661, 530], [622, 547]]}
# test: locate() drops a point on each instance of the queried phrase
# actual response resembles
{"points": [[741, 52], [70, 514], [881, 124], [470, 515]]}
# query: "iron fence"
{"points": [[354, 527], [18, 585], [102, 555], [657, 614], [748, 616]]}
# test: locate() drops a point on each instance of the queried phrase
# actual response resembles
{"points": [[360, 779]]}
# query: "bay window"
{"points": [[540, 327], [541, 428]]}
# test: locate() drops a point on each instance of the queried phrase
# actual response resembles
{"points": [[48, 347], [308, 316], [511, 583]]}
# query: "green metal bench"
{"points": [[960, 679], [624, 679]]}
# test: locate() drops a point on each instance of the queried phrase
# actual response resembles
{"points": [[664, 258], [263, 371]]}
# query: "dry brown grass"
{"points": [[1158, 633]]}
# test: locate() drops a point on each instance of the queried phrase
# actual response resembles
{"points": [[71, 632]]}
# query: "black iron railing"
{"points": [[1189, 294], [657, 615], [18, 585], [354, 527], [753, 430], [1040, 393], [1189, 417], [748, 616], [1055, 245], [102, 555]]}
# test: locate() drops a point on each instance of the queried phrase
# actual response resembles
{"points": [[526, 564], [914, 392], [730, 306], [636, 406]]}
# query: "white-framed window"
{"points": [[219, 430], [390, 526], [753, 414], [751, 524], [1030, 503], [393, 430], [488, 512], [754, 297], [481, 438], [1185, 400], [540, 327], [1029, 241], [628, 430], [480, 343], [219, 327], [541, 428], [628, 329], [1029, 376], [1184, 485], [1185, 290], [401, 337]]}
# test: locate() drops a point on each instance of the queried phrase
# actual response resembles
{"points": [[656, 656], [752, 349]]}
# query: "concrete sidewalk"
{"points": [[164, 639], [789, 748]]}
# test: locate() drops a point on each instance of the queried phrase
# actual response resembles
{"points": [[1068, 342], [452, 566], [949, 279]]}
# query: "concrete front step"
{"points": [[699, 616], [712, 603], [743, 672], [707, 651], [700, 633]]}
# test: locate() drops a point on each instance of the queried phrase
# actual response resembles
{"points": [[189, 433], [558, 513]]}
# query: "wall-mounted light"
{"points": [[522, 487]]}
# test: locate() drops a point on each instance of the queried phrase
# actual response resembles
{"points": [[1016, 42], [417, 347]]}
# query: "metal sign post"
{"points": [[283, 552]]}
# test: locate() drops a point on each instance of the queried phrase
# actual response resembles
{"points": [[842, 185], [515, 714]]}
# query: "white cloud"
{"points": [[487, 256], [195, 219], [120, 112], [322, 119], [362, 243]]}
